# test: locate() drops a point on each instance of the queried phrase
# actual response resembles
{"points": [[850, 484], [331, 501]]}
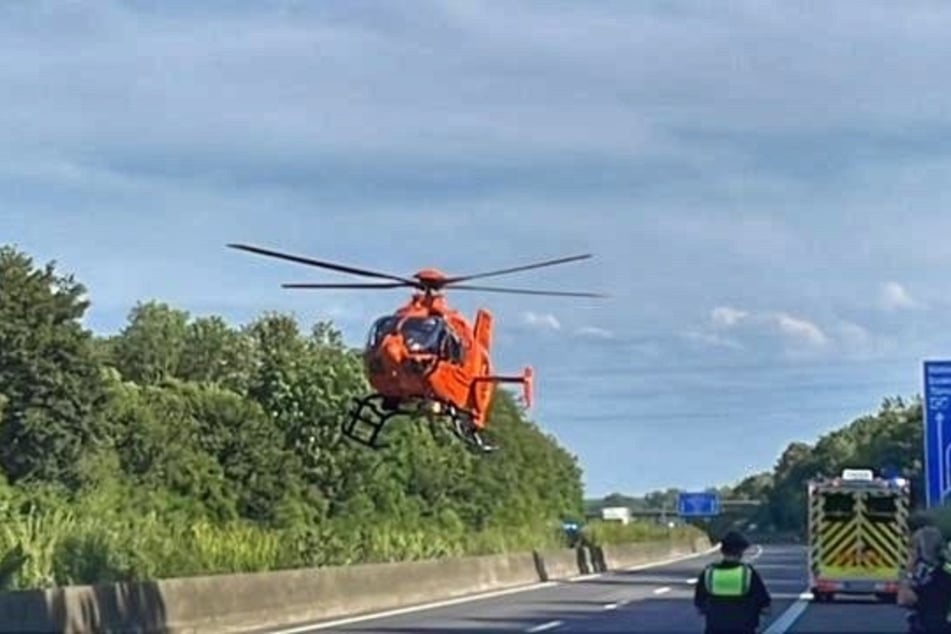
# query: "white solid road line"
{"points": [[545, 626], [645, 566], [655, 564], [593, 575], [757, 553], [672, 561], [470, 598], [790, 616], [414, 608], [692, 582], [663, 590]]}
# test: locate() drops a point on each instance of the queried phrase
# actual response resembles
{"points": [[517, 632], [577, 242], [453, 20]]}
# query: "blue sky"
{"points": [[765, 187]]}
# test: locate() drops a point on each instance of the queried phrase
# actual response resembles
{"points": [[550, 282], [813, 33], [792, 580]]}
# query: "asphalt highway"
{"points": [[647, 599]]}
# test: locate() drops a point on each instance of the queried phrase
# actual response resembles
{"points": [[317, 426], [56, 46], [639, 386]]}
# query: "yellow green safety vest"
{"points": [[728, 582]]}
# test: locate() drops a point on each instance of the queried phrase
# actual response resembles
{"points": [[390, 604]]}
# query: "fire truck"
{"points": [[858, 534]]}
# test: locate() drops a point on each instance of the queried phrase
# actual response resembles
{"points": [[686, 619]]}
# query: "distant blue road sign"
{"points": [[937, 432], [698, 504]]}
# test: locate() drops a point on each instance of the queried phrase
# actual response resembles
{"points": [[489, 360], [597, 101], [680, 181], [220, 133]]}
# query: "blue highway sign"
{"points": [[937, 432], [698, 504]]}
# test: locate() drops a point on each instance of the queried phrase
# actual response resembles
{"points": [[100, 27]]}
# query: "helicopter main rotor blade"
{"points": [[320, 263], [522, 291], [321, 286], [516, 269]]}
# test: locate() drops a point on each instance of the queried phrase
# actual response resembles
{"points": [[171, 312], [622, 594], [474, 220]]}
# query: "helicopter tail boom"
{"points": [[526, 379]]}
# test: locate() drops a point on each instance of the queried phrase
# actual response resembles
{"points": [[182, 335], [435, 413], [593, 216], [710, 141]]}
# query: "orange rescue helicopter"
{"points": [[426, 357]]}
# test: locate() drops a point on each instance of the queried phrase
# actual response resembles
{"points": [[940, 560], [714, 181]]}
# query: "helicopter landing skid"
{"points": [[467, 432], [372, 412]]}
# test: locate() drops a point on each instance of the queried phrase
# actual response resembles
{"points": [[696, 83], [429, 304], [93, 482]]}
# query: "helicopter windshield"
{"points": [[423, 334], [380, 328]]}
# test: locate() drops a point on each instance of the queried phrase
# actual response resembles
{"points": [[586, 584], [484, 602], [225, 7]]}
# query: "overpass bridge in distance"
{"points": [[726, 507]]}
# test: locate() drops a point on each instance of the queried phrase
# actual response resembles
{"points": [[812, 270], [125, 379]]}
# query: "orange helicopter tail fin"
{"points": [[528, 385], [483, 328]]}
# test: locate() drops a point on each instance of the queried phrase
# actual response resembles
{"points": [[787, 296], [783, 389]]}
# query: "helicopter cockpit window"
{"points": [[380, 328], [452, 349], [423, 334]]}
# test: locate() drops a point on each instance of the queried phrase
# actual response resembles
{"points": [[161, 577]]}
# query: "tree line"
{"points": [[186, 445], [888, 441]]}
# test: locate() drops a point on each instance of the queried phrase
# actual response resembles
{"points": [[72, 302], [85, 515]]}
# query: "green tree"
{"points": [[890, 439], [49, 378], [213, 352], [151, 346]]}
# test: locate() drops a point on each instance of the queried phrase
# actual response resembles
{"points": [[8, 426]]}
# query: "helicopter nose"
{"points": [[388, 358], [393, 351]]}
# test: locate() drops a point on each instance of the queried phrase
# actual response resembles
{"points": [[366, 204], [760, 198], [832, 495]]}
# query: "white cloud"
{"points": [[799, 335], [792, 328], [711, 339], [727, 316], [852, 334], [894, 296], [857, 342], [800, 329], [542, 321], [594, 332]]}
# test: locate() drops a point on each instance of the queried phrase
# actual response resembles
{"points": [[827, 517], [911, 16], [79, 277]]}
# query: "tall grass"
{"points": [[39, 534], [602, 533], [95, 541]]}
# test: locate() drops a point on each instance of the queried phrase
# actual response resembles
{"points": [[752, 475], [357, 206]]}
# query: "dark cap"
{"points": [[734, 542]]}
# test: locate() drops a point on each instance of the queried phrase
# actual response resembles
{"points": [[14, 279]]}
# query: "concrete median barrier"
{"points": [[559, 564], [240, 602], [613, 557]]}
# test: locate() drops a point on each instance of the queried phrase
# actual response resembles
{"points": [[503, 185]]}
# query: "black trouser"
{"points": [[922, 623]]}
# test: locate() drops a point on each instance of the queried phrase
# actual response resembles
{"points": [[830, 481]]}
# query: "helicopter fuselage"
{"points": [[428, 351]]}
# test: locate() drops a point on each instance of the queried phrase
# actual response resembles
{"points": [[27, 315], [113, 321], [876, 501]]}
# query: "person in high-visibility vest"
{"points": [[730, 594], [927, 582]]}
